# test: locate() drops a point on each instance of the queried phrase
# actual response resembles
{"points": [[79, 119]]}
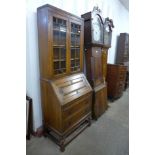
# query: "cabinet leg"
{"points": [[89, 121], [62, 146], [95, 117], [46, 132], [112, 100]]}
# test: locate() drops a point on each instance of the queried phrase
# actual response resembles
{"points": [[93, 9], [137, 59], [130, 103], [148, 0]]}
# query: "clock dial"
{"points": [[107, 35], [96, 32], [107, 29], [96, 25]]}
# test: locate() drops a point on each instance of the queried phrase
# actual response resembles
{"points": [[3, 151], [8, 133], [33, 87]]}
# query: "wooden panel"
{"points": [[50, 105], [100, 104], [94, 68], [73, 87], [60, 81], [42, 18], [104, 105], [87, 29]]}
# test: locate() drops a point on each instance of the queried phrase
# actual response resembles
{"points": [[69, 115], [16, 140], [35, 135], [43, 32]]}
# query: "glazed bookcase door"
{"points": [[75, 47], [59, 46]]}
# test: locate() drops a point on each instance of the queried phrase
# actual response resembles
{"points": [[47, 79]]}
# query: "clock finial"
{"points": [[109, 22], [96, 8]]}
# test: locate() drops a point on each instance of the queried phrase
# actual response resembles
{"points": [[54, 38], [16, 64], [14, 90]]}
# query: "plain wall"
{"points": [[110, 8]]}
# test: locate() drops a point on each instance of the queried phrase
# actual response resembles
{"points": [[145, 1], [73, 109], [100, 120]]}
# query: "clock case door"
{"points": [[94, 66]]}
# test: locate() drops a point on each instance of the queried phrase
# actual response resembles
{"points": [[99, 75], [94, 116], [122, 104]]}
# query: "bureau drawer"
{"points": [[67, 111], [73, 119], [120, 83]]}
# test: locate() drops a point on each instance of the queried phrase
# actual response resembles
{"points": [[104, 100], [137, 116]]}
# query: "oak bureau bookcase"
{"points": [[65, 92]]}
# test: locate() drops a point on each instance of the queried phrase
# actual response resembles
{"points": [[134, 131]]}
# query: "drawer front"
{"points": [[119, 93], [120, 85], [122, 69], [122, 76], [73, 119], [70, 109], [120, 88]]}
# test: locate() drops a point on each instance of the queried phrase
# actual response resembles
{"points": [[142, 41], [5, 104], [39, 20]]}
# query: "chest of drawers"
{"points": [[116, 75]]}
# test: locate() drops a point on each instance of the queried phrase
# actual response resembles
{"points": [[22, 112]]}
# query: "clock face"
{"points": [[96, 27], [107, 29], [107, 36], [96, 32]]}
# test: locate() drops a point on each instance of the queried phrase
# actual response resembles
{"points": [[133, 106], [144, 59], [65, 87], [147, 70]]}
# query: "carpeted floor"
{"points": [[109, 135]]}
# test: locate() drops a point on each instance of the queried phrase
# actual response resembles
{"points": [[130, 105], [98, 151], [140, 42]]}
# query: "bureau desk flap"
{"points": [[71, 87]]}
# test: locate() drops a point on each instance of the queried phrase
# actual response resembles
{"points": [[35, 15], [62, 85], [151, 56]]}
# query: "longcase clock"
{"points": [[93, 42]]}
